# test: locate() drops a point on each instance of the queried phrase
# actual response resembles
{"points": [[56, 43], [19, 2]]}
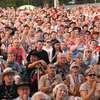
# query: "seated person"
{"points": [[48, 81], [23, 90], [8, 87]]}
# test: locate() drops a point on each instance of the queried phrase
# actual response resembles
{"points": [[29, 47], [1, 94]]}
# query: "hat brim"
{"points": [[7, 73], [74, 67], [26, 84]]}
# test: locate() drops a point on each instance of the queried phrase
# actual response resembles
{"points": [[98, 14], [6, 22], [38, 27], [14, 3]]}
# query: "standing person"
{"points": [[8, 88], [87, 89], [23, 91], [42, 54]]}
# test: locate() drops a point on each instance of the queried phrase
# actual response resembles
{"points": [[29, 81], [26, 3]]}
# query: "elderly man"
{"points": [[74, 79], [8, 87], [23, 90], [62, 67], [48, 81]]}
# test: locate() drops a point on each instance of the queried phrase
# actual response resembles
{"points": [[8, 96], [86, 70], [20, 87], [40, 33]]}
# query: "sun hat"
{"points": [[74, 65], [89, 71], [7, 71]]}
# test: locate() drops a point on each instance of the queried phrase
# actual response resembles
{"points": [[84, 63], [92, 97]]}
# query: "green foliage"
{"points": [[7, 3], [61, 1], [16, 3]]}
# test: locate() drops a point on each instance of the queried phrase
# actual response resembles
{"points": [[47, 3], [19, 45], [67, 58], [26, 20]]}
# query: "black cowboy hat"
{"points": [[23, 84]]}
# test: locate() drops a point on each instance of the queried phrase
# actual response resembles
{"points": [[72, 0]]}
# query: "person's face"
{"points": [[61, 59], [79, 60], [48, 43], [46, 36], [62, 28], [76, 32], [51, 69], [57, 46], [85, 28], [61, 93], [11, 57], [53, 35], [23, 91], [88, 54], [33, 58], [16, 43], [63, 46], [8, 79], [93, 44], [95, 36], [91, 77], [39, 45], [75, 70]]}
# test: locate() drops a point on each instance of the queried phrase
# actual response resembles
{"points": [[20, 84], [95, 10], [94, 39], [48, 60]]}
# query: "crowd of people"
{"points": [[50, 53]]}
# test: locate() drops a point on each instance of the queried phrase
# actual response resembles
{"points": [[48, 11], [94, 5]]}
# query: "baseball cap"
{"points": [[74, 65]]}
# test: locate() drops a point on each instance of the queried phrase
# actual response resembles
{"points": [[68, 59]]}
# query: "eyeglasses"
{"points": [[91, 75]]}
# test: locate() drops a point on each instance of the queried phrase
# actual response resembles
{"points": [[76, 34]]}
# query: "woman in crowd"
{"points": [[87, 89]]}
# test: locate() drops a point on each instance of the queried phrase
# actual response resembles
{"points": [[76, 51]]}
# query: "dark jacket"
{"points": [[8, 92]]}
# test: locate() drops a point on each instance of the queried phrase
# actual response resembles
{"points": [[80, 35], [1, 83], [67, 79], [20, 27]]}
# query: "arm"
{"points": [[32, 65], [42, 86], [75, 46], [85, 94]]}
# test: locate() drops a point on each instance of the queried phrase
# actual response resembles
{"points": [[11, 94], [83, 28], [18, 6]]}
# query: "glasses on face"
{"points": [[91, 75]]}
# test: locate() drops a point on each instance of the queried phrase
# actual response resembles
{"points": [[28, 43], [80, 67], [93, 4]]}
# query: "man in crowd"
{"points": [[23, 91], [11, 62], [42, 54], [62, 67], [50, 80]]}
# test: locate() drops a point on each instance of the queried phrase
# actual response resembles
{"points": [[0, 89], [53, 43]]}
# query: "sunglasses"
{"points": [[75, 67], [91, 75]]}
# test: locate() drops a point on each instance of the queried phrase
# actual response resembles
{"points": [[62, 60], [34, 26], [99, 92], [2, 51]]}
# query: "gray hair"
{"points": [[40, 95], [61, 85]]}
